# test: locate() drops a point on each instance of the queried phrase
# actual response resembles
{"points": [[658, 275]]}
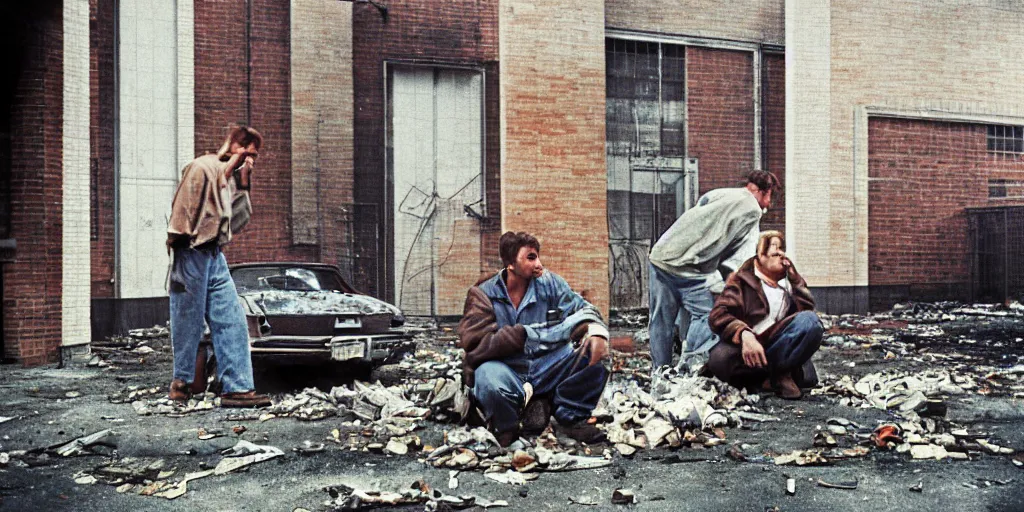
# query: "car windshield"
{"points": [[288, 278]]}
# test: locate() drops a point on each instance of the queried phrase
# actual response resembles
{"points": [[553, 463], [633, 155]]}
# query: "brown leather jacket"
{"points": [[743, 304], [480, 337]]}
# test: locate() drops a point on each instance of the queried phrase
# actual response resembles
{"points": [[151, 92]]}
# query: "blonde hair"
{"points": [[243, 135], [765, 241]]}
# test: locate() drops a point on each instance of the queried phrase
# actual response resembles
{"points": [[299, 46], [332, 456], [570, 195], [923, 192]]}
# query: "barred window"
{"points": [[1005, 139]]}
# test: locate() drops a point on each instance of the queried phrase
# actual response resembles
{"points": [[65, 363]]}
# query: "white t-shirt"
{"points": [[778, 301]]}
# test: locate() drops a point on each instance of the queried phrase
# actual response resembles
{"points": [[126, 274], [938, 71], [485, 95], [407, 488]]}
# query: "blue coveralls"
{"points": [[548, 362]]}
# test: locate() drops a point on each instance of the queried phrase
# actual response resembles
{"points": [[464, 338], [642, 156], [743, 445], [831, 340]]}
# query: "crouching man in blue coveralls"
{"points": [[534, 348]]}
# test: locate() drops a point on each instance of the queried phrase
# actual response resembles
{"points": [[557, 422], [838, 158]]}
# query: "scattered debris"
{"points": [[850, 485], [245, 454], [80, 445], [791, 486], [623, 497], [345, 497]]}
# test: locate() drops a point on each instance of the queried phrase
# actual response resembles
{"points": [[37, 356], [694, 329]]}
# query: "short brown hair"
{"points": [[765, 241], [510, 243], [763, 179], [243, 135]]}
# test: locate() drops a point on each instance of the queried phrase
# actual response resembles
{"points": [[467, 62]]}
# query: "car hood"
{"points": [[274, 302]]}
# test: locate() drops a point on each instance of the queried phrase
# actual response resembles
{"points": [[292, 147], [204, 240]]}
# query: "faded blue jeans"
{"points": [[202, 292], [787, 351], [669, 294], [498, 386]]}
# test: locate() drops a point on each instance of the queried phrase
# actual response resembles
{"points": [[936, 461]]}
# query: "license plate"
{"points": [[346, 351]]}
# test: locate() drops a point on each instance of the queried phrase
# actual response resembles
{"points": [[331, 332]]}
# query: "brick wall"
{"points": [[102, 91], [923, 174], [554, 177], [459, 32], [224, 94], [773, 97], [720, 111], [845, 56], [746, 20], [321, 82], [32, 285]]}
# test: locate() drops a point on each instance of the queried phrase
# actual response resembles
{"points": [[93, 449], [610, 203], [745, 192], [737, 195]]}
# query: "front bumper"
{"points": [[374, 348]]}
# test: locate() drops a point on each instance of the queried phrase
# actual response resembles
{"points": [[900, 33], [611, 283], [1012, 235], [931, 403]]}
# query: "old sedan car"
{"points": [[298, 312]]}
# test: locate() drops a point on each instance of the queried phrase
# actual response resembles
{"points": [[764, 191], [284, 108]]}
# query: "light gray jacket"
{"points": [[721, 230]]}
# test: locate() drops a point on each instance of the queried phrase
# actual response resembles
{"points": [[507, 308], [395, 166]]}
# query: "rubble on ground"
{"points": [[344, 497]]}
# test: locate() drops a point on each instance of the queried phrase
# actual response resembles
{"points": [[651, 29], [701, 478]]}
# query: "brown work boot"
{"points": [[537, 414], [244, 399], [786, 387], [507, 438], [581, 431], [179, 391]]}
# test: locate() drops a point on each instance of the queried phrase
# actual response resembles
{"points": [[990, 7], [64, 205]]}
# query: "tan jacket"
{"points": [[207, 206]]}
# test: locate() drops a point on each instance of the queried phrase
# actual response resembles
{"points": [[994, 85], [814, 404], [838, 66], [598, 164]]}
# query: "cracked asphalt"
{"points": [[51, 405]]}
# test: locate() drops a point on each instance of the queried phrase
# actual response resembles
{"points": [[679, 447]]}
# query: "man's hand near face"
{"points": [[243, 161]]}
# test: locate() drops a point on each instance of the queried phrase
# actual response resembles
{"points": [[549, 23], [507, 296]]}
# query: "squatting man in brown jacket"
{"points": [[532, 344], [210, 205], [766, 323]]}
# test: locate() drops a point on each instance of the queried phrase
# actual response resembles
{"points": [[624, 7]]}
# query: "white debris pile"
{"points": [[640, 420], [478, 449], [151, 477], [344, 497], [166, 406], [901, 391], [930, 439], [157, 331]]}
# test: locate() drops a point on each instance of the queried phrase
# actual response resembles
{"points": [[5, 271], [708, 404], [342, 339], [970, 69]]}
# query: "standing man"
{"points": [[765, 317], [526, 333], [723, 224], [211, 204]]}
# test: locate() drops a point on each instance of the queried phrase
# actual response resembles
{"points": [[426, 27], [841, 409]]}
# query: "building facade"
{"points": [[403, 137]]}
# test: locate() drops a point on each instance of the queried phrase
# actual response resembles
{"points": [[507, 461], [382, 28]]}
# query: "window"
{"points": [[1005, 139], [1002, 188]]}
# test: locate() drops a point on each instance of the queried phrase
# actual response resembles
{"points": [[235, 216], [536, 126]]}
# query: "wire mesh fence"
{"points": [[996, 253]]}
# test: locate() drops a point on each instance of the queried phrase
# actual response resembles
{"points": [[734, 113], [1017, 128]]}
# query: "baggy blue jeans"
{"points": [[498, 388], [787, 351], [669, 294], [202, 292]]}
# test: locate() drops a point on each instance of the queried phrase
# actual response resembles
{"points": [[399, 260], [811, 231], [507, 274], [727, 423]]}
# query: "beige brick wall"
{"points": [[920, 58], [186, 101], [76, 285], [807, 135], [553, 175], [741, 20], [321, 88]]}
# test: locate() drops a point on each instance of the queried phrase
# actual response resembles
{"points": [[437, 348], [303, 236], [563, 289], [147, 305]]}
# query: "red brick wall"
{"points": [[721, 115], [773, 94], [454, 32], [32, 285], [102, 92], [923, 174], [222, 96]]}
